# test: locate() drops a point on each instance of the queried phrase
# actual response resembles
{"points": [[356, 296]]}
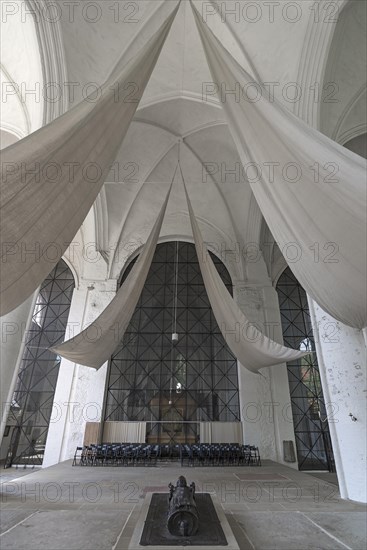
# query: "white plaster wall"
{"points": [[264, 398], [341, 355], [87, 397], [358, 145], [256, 408], [61, 415], [80, 390], [345, 75], [22, 98]]}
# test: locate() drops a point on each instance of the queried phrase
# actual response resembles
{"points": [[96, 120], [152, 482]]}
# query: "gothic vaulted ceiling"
{"points": [[179, 113]]}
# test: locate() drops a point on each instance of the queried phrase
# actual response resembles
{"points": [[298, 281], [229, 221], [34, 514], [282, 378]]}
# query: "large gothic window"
{"points": [[31, 408], [173, 387], [308, 408]]}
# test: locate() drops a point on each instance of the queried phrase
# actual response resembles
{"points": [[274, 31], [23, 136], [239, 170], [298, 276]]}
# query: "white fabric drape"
{"points": [[253, 349], [124, 432], [221, 432], [51, 178], [205, 432], [226, 432], [111, 325], [310, 190]]}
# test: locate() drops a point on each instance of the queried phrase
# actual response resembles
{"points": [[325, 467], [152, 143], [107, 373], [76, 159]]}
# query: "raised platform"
{"points": [[214, 530]]}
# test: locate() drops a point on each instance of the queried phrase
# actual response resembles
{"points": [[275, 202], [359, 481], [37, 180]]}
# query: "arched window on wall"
{"points": [[173, 387], [311, 428], [32, 403]]}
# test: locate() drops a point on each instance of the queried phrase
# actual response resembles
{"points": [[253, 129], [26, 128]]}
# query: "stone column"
{"points": [[80, 390], [264, 398], [280, 394], [341, 353], [13, 328]]}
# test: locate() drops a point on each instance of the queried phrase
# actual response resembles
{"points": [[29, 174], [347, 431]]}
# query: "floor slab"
{"points": [[284, 531], [10, 517], [272, 507], [66, 530], [348, 527]]}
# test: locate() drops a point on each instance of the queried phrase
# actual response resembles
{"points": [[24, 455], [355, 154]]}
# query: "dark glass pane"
{"points": [[312, 436], [174, 387], [31, 408]]}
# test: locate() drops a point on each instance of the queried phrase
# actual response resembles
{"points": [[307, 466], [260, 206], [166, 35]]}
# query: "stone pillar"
{"points": [[80, 390], [280, 394], [264, 398], [13, 328], [341, 354]]}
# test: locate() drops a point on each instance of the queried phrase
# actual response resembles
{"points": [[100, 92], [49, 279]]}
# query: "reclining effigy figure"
{"points": [[183, 520]]}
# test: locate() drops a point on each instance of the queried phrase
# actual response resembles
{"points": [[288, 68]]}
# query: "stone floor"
{"points": [[268, 508]]}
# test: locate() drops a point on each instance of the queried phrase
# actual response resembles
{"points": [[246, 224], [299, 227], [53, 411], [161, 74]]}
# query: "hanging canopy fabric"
{"points": [[95, 345], [310, 190], [252, 348], [51, 178]]}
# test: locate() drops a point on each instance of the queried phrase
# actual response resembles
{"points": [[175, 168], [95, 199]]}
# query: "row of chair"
{"points": [[220, 454], [116, 454], [144, 454]]}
